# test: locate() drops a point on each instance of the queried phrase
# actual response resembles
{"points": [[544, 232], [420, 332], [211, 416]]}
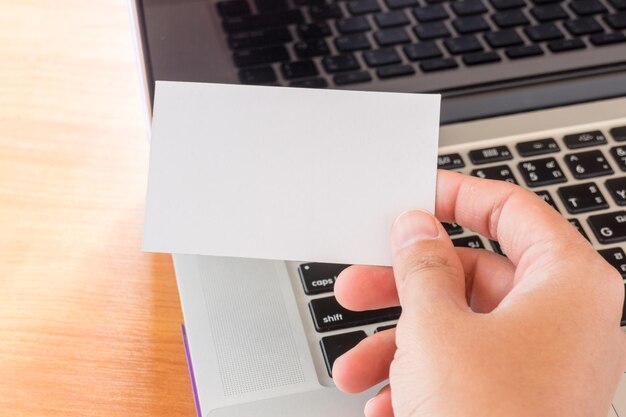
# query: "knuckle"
{"points": [[429, 261]]}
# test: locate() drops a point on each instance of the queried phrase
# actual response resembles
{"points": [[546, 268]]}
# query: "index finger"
{"points": [[518, 219]]}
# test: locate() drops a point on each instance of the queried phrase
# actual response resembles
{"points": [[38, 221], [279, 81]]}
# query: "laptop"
{"points": [[534, 93]]}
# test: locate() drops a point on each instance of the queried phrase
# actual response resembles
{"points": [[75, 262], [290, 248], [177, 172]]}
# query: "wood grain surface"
{"points": [[89, 325]]}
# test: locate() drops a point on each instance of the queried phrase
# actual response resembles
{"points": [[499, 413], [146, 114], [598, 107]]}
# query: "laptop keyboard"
{"points": [[581, 175], [320, 43]]}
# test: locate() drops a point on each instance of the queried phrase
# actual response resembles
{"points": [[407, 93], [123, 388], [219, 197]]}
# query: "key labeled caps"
{"points": [[328, 315], [473, 242], [617, 189], [588, 164], [616, 257], [609, 227], [487, 155], [537, 147], [585, 139], [545, 196], [581, 198], [335, 346], [619, 154], [541, 172], [318, 277], [499, 172], [450, 161]]}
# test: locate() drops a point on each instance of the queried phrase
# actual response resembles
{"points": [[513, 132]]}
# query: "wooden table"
{"points": [[89, 325]]}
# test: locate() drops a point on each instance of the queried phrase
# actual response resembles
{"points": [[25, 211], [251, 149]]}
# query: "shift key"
{"points": [[328, 315]]}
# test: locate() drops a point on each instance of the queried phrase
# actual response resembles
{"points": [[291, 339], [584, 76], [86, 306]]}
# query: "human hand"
{"points": [[536, 334]]}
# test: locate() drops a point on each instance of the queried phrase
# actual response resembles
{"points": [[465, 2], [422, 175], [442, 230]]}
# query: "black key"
{"points": [[587, 7], [496, 247], [619, 133], [564, 45], [510, 18], [617, 189], [579, 227], [450, 161], [463, 44], [400, 4], [499, 172], [433, 30], [493, 154], [383, 328], [316, 82], [395, 71], [325, 11], [328, 315], [607, 38], [581, 198], [259, 38], [468, 7], [585, 139], [380, 57], [335, 346], [393, 36], [270, 5], [352, 77], [232, 8], [537, 147], [430, 13], [299, 69], [617, 258], [583, 26], [363, 6], [508, 4], [318, 278], [617, 21], [619, 4], [313, 30], [609, 227], [353, 25], [545, 32], [452, 229], [391, 19], [340, 63], [479, 58], [260, 56], [438, 64], [545, 196], [470, 24], [473, 242], [262, 20], [619, 154], [541, 172], [310, 49], [422, 50], [518, 52], [588, 164], [257, 75], [349, 43], [549, 12], [504, 38]]}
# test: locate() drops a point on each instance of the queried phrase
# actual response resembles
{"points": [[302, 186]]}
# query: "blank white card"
{"points": [[286, 173]]}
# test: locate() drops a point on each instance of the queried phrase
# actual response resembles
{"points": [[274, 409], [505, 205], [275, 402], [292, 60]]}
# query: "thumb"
{"points": [[428, 272]]}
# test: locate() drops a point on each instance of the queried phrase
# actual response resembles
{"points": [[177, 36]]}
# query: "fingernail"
{"points": [[412, 226], [368, 407]]}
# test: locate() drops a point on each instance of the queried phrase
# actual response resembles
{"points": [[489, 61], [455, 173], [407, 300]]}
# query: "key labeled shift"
{"points": [[328, 315]]}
